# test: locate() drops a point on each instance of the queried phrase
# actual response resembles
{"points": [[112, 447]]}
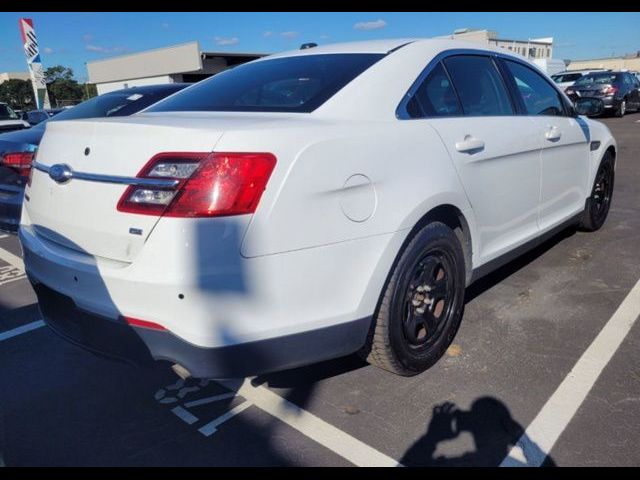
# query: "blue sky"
{"points": [[71, 39]]}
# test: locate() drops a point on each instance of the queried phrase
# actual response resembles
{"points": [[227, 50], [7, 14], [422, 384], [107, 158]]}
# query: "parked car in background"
{"points": [[54, 111], [308, 205], [619, 91], [10, 120], [569, 77], [34, 117], [17, 149]]}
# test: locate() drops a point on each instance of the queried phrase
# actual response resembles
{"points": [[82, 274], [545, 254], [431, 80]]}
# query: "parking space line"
{"points": [[3, 235], [215, 398], [348, 447], [211, 427], [21, 329], [184, 415], [11, 259], [12, 278], [542, 434]]}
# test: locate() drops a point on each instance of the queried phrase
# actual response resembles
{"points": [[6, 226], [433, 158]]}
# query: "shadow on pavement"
{"points": [[488, 421]]}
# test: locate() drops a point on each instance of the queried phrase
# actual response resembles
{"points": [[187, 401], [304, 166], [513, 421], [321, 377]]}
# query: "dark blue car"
{"points": [[17, 148]]}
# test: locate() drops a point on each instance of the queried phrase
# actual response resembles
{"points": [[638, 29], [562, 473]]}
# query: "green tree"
{"points": [[90, 91], [63, 88], [58, 72], [18, 94]]}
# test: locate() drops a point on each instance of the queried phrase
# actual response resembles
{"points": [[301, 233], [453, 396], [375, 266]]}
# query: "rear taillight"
{"points": [[18, 161], [136, 322], [611, 90], [209, 184]]}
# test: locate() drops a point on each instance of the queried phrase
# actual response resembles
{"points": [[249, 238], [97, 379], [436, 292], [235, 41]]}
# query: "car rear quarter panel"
{"points": [[344, 181]]}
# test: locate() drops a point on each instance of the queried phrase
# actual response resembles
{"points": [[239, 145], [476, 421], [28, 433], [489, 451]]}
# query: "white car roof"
{"points": [[370, 46], [386, 45]]}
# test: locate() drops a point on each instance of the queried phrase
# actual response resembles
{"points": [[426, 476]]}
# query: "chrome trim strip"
{"points": [[94, 177]]}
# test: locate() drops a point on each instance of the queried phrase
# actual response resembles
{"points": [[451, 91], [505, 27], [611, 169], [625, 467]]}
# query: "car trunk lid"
{"points": [[82, 214]]}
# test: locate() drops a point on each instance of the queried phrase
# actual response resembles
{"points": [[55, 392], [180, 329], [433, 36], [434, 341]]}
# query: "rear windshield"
{"points": [[291, 84], [566, 77], [6, 113], [597, 79]]}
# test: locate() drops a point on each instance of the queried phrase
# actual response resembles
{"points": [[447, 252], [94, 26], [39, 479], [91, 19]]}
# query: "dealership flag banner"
{"points": [[32, 52]]}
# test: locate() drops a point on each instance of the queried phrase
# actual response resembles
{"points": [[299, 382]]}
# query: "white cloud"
{"points": [[227, 41], [94, 48], [101, 49], [164, 24], [267, 34], [375, 25], [47, 50], [289, 34], [87, 37]]}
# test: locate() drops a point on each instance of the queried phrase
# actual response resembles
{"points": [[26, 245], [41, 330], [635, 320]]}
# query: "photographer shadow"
{"points": [[492, 428]]}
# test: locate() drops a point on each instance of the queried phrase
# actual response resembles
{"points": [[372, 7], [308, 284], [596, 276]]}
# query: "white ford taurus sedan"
{"points": [[307, 205]]}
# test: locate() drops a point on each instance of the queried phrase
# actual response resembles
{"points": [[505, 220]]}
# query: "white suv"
{"points": [[307, 205]]}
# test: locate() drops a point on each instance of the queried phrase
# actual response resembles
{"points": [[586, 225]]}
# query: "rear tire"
{"points": [[422, 304], [598, 204], [622, 109]]}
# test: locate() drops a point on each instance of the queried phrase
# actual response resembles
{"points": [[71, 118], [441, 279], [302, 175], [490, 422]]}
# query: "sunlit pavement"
{"points": [[525, 328]]}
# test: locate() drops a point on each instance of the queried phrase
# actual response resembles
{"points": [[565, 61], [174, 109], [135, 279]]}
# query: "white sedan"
{"points": [[307, 205]]}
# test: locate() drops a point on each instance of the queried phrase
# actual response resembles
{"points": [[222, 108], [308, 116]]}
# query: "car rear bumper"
{"points": [[611, 102], [289, 310], [141, 346]]}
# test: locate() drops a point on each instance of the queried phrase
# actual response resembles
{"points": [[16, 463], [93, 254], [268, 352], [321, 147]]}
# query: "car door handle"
{"points": [[553, 134], [470, 145]]}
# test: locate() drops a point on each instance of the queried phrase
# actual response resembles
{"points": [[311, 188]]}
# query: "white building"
{"points": [[534, 48], [14, 76], [178, 63]]}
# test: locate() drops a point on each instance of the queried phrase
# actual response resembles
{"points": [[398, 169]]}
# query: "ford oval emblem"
{"points": [[60, 173]]}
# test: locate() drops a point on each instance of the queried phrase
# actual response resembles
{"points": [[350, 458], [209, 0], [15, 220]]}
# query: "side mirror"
{"points": [[589, 106]]}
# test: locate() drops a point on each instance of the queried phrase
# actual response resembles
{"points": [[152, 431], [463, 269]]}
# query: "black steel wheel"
{"points": [[599, 203], [422, 304], [428, 298]]}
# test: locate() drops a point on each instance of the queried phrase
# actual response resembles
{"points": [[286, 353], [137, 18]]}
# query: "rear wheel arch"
{"points": [[611, 150], [453, 218]]}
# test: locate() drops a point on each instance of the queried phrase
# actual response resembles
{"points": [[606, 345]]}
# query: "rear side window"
{"points": [[290, 84], [538, 96], [479, 86], [435, 97]]}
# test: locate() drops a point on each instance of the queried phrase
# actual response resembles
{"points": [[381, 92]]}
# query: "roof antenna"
{"points": [[304, 46]]}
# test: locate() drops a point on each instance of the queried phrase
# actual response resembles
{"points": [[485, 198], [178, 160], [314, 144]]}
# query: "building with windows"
{"points": [[174, 64], [535, 48]]}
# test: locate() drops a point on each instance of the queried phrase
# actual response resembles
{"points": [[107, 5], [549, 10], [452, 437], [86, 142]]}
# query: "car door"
{"points": [[564, 140], [495, 152]]}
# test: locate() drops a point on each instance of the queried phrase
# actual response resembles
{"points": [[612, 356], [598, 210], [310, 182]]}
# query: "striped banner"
{"points": [[32, 52]]}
